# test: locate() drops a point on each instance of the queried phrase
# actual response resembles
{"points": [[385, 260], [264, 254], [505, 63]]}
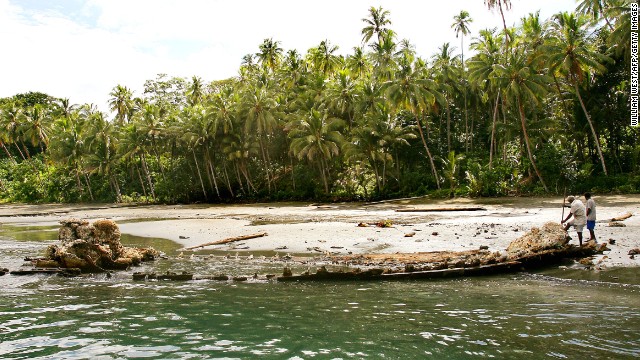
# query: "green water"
{"points": [[556, 314]]}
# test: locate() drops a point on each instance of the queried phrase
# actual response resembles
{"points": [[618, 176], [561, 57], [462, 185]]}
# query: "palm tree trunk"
{"points": [[247, 176], [466, 114], [20, 151], [204, 191], [239, 177], [324, 175], [504, 24], [424, 143], [448, 126], [213, 174], [8, 153], [116, 188], [564, 104], [492, 146], [88, 182], [377, 173], [523, 123], [155, 151], [266, 163], [593, 131], [226, 178], [148, 175], [79, 183], [293, 178], [144, 187]]}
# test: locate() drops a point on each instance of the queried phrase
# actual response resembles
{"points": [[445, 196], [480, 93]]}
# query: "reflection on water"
{"points": [[556, 314]]}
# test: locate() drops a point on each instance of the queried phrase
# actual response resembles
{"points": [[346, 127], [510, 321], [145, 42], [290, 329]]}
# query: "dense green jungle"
{"points": [[539, 108]]}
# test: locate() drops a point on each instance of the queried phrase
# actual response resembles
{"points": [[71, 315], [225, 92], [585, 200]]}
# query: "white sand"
{"points": [[304, 228]]}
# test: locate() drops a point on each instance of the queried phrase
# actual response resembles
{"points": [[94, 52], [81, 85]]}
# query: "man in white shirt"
{"points": [[591, 216], [579, 217]]}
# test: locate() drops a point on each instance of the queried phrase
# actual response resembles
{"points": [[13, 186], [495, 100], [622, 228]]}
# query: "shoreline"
{"points": [[333, 228]]}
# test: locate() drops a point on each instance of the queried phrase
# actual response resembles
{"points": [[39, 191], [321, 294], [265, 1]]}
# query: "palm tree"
{"points": [[201, 135], [357, 63], [461, 26], [384, 61], [620, 37], [522, 84], [102, 147], [447, 75], [492, 4], [341, 96], [316, 137], [596, 9], [195, 91], [68, 146], [482, 71], [270, 54], [410, 91], [121, 103], [12, 116], [570, 53], [324, 59], [36, 129], [261, 114], [152, 126], [375, 24], [451, 170]]}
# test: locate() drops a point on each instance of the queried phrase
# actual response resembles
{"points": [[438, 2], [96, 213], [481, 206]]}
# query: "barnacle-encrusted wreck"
{"points": [[92, 248]]}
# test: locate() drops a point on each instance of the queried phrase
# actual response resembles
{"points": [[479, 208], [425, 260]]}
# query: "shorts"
{"points": [[578, 227], [591, 224]]}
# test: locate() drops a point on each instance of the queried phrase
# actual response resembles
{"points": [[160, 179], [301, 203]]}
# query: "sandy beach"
{"points": [[333, 228]]}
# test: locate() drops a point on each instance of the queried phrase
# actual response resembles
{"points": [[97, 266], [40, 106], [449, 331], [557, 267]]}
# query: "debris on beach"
{"points": [[538, 247], [381, 224], [443, 209], [92, 248], [227, 240], [622, 217]]}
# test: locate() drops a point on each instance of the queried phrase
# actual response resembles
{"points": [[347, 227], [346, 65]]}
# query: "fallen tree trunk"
{"points": [[227, 240], [435, 209], [621, 217]]}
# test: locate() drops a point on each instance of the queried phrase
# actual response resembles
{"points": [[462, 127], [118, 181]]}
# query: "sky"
{"points": [[82, 49]]}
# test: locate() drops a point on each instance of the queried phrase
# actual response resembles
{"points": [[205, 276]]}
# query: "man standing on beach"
{"points": [[579, 216], [591, 216]]}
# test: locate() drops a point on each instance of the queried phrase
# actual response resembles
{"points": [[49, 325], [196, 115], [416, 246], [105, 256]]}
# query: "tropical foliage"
{"points": [[530, 109]]}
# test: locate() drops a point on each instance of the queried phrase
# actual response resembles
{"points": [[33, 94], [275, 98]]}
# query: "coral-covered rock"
{"points": [[93, 248]]}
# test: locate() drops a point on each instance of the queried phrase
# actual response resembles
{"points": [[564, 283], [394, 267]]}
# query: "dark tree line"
{"points": [[533, 109]]}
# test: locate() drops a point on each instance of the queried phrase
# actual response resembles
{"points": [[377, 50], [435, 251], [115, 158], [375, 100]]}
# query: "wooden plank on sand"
{"points": [[467, 208], [621, 217], [228, 240]]}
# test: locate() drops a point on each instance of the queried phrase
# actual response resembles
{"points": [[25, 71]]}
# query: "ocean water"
{"points": [[555, 314]]}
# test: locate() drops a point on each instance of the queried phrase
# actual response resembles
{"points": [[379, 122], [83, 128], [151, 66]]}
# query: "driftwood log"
{"points": [[435, 209], [227, 240], [621, 217]]}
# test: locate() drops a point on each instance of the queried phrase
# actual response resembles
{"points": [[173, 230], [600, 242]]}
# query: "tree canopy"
{"points": [[532, 109]]}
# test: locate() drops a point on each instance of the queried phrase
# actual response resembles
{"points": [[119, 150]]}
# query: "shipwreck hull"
{"points": [[538, 260]]}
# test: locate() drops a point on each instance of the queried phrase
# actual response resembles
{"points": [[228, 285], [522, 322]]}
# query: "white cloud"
{"points": [[84, 53]]}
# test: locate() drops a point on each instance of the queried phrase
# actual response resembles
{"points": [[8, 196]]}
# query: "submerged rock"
{"points": [[92, 248]]}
